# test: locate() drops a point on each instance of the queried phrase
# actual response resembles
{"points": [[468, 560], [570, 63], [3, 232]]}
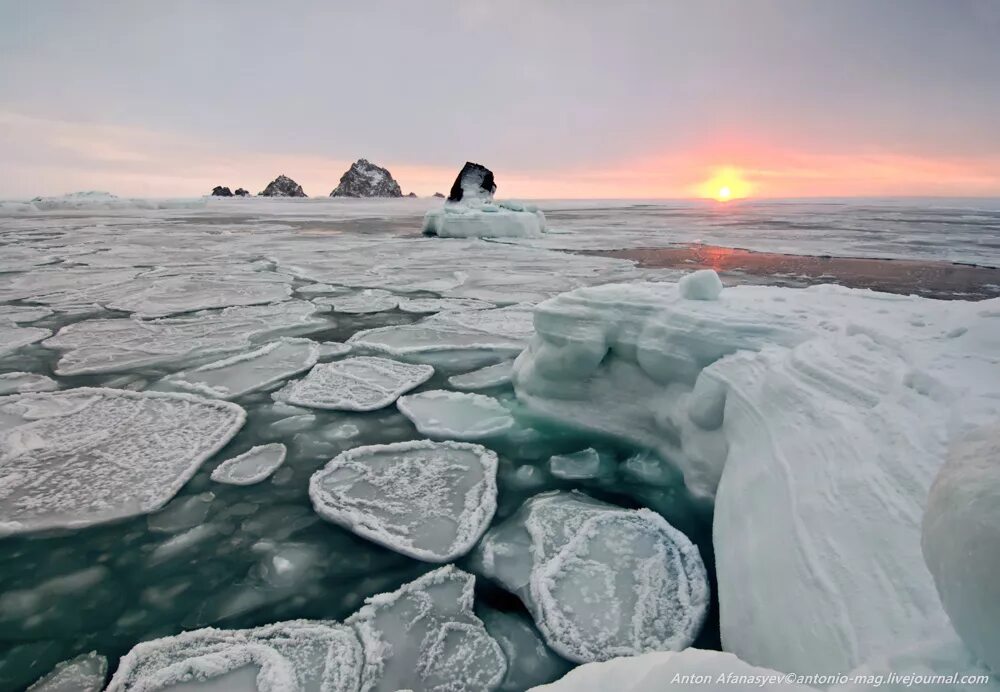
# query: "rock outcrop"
{"points": [[240, 192], [438, 194], [412, 194], [220, 191], [474, 182], [283, 186], [365, 179]]}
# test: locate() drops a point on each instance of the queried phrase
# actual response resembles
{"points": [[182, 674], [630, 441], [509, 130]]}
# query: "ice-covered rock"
{"points": [[282, 186], [484, 378], [363, 302], [365, 179], [114, 345], [961, 540], [690, 670], [474, 182], [288, 656], [529, 661], [429, 500], [425, 637], [364, 383], [86, 456], [432, 305], [85, 673], [220, 191], [599, 580], [456, 415], [247, 372], [12, 338], [253, 466], [17, 382]]}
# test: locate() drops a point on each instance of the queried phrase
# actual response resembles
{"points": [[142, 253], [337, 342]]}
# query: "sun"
{"points": [[726, 184]]}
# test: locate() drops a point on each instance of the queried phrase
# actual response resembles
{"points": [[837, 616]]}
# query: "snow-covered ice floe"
{"points": [[364, 383], [13, 337], [85, 673], [485, 219], [85, 456], [484, 378], [253, 466], [816, 419], [456, 415], [432, 305], [369, 300], [429, 500], [599, 580], [17, 382]]}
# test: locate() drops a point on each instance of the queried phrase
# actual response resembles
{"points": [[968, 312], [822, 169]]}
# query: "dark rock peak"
{"points": [[220, 191], [283, 186], [474, 181], [240, 192], [412, 194], [438, 194], [365, 179]]}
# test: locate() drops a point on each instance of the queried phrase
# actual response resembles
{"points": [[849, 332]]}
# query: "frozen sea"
{"points": [[172, 296]]}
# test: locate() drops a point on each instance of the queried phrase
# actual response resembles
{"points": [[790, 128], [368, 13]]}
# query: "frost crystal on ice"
{"points": [[253, 466], [364, 383], [456, 415], [600, 581], [484, 378], [424, 637], [285, 657], [241, 374], [86, 456], [85, 673], [429, 500]]}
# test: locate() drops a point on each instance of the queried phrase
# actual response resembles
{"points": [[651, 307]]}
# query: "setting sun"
{"points": [[723, 194], [726, 184]]}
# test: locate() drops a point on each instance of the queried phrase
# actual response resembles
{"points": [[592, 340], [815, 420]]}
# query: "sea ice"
{"points": [[432, 305], [13, 338], [600, 581], [181, 513], [85, 673], [367, 301], [332, 349], [485, 219], [85, 456], [253, 466], [961, 540], [287, 656], [114, 345], [484, 378], [704, 284], [587, 464], [529, 661], [455, 415], [247, 372], [19, 314], [364, 383], [425, 637], [16, 382], [429, 500], [160, 297]]}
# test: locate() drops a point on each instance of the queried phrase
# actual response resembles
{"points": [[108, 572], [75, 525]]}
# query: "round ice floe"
{"points": [[363, 302], [85, 456], [364, 383], [961, 541], [484, 378], [296, 655], [455, 415], [159, 297], [424, 637], [703, 284], [429, 500], [431, 305], [600, 581], [253, 466], [17, 382], [85, 673]]}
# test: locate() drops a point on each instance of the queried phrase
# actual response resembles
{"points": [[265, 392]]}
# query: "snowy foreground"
{"points": [[282, 451]]}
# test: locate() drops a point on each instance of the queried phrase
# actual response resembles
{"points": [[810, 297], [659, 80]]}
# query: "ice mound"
{"points": [[432, 305], [17, 382], [456, 415], [253, 466], [289, 656], [425, 637], [369, 300], [471, 212], [484, 378], [703, 284], [114, 345], [429, 500], [12, 338], [691, 670], [247, 372], [600, 581], [961, 540], [529, 661], [85, 673], [85, 456], [364, 383]]}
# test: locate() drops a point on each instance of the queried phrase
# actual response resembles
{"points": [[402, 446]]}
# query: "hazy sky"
{"points": [[560, 99]]}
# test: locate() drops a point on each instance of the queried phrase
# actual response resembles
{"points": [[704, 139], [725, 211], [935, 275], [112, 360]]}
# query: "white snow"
{"points": [[85, 673], [16, 382], [484, 378], [961, 540], [429, 500], [86, 456], [484, 219], [600, 581], [247, 372], [253, 466], [425, 637], [456, 415], [364, 383]]}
